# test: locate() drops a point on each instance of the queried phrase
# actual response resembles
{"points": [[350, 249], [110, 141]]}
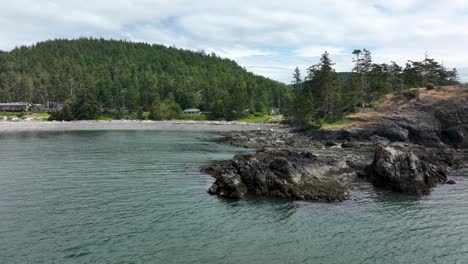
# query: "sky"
{"points": [[267, 37]]}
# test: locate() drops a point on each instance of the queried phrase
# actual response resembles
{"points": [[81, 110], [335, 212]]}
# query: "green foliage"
{"points": [[315, 124], [140, 115], [377, 101], [155, 113], [410, 94], [325, 123], [323, 98], [417, 74], [257, 117], [105, 117], [18, 114], [170, 109], [318, 97], [121, 76], [119, 114], [201, 117], [84, 107], [41, 116], [64, 114], [339, 122], [430, 86]]}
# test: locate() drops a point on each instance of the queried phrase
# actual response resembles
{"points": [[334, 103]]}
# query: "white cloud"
{"points": [[267, 37], [238, 53], [313, 51]]}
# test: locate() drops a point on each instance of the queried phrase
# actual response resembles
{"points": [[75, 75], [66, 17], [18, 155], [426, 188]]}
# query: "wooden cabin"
{"points": [[192, 111], [14, 107]]}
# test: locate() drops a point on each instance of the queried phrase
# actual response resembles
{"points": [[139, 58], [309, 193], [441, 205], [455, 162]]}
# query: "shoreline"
{"points": [[172, 125]]}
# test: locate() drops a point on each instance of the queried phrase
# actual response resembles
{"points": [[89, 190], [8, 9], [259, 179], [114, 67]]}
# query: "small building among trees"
{"points": [[14, 107], [192, 111]]}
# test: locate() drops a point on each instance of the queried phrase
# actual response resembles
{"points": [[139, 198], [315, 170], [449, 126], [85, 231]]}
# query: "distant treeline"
{"points": [[91, 76], [94, 75], [324, 95]]}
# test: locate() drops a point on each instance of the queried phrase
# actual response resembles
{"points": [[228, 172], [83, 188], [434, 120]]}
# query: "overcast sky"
{"points": [[268, 37]]}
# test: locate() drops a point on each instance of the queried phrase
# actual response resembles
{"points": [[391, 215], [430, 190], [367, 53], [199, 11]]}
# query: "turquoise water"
{"points": [[137, 197]]}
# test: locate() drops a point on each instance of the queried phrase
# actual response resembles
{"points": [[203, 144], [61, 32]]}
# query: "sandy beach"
{"points": [[210, 126]]}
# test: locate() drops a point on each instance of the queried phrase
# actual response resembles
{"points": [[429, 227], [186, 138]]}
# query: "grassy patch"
{"points": [[43, 116], [378, 102], [256, 118], [12, 113], [200, 117], [329, 123], [105, 117], [336, 123]]}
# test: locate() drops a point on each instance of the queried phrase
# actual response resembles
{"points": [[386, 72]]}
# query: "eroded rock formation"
{"points": [[282, 173]]}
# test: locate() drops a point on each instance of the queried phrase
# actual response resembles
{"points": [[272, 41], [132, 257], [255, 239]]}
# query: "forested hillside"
{"points": [[324, 95], [92, 75]]}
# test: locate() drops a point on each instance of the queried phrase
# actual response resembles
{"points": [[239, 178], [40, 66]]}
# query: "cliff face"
{"points": [[433, 118], [433, 123]]}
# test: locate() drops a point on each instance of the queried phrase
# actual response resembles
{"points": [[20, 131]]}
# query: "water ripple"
{"points": [[137, 197]]}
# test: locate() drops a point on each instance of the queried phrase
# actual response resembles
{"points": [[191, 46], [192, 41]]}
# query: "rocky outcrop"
{"points": [[265, 138], [428, 122], [282, 173], [403, 172], [425, 137]]}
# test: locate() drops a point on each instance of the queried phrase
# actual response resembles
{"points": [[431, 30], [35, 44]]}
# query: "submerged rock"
{"points": [[282, 173], [403, 172], [450, 182]]}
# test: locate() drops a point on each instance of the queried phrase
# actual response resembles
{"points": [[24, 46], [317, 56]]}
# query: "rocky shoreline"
{"points": [[407, 152]]}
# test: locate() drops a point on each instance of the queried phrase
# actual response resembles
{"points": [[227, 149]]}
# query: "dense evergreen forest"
{"points": [[95, 75], [324, 95], [91, 76]]}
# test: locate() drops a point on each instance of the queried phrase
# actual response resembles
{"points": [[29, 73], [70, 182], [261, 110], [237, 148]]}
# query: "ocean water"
{"points": [[138, 197]]}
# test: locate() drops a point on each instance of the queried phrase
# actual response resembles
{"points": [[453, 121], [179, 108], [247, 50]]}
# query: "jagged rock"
{"points": [[392, 132], [282, 173], [379, 140], [403, 172], [349, 144], [360, 167]]}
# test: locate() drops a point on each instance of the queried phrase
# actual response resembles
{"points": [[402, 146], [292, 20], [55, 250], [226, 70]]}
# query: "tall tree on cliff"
{"points": [[326, 83], [297, 90], [362, 67]]}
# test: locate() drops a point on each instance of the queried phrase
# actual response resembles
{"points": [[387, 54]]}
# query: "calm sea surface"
{"points": [[138, 197]]}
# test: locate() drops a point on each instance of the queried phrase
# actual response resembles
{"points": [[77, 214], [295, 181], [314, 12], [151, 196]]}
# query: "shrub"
{"points": [[64, 114], [316, 124], [155, 112], [430, 86], [140, 115], [410, 94]]}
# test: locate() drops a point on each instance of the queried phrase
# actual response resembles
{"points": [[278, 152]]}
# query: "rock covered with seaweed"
{"points": [[282, 173]]}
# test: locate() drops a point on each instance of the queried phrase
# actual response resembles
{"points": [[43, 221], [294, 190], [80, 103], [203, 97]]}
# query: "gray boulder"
{"points": [[403, 172]]}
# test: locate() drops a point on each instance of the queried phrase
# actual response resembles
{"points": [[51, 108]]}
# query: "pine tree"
{"points": [[297, 90], [155, 110], [325, 80]]}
